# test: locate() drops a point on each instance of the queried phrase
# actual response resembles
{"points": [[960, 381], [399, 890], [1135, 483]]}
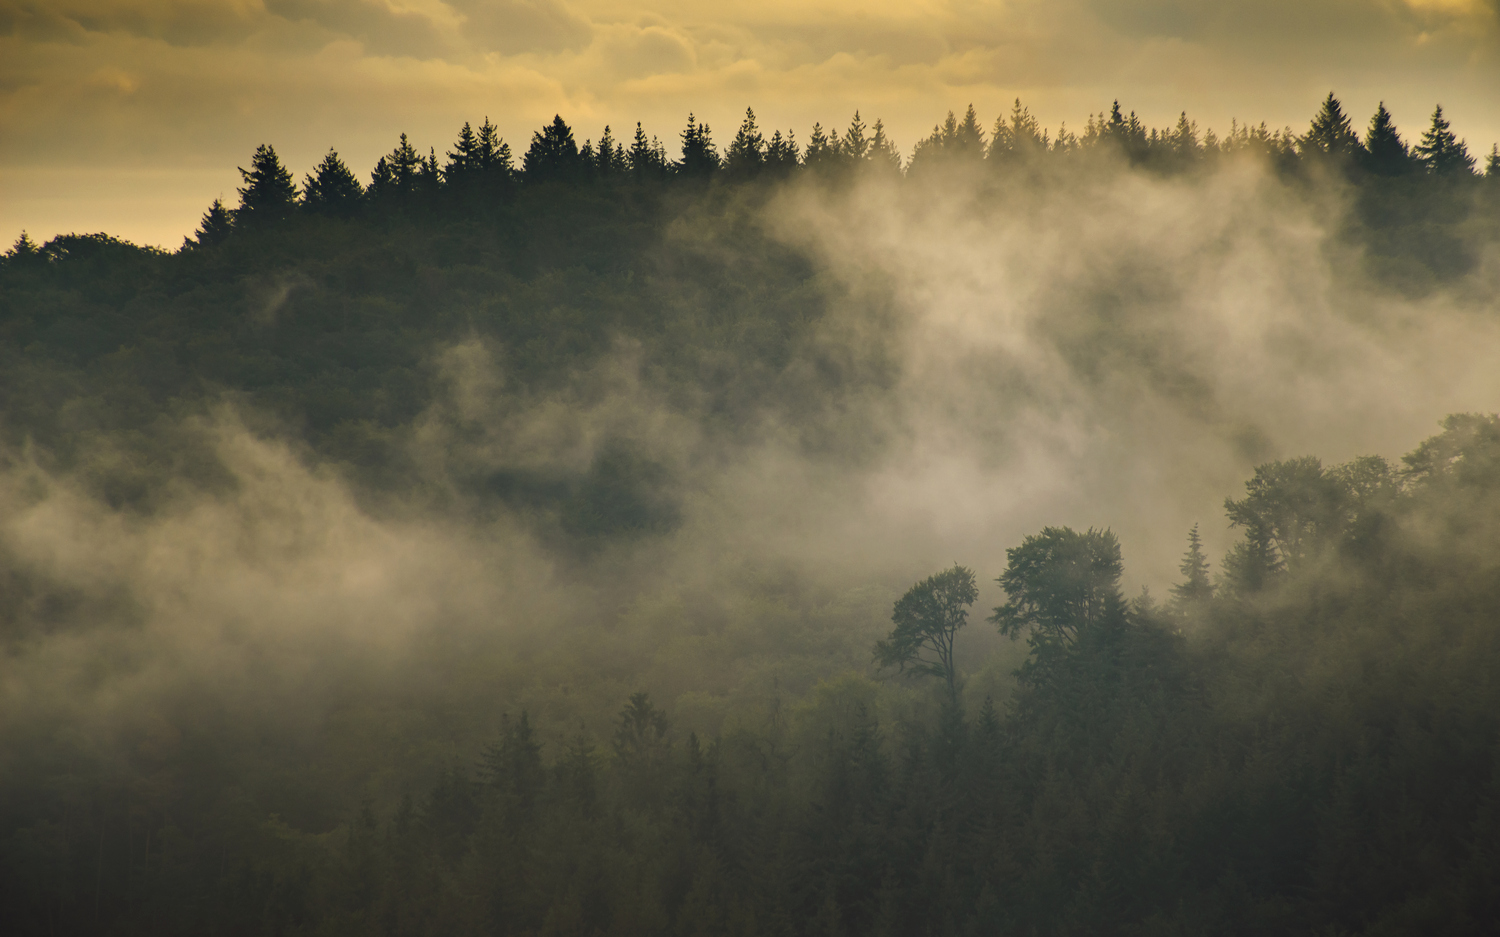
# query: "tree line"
{"points": [[482, 166]]}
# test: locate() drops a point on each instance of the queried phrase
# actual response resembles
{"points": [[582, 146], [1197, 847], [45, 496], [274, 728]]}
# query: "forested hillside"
{"points": [[524, 543]]}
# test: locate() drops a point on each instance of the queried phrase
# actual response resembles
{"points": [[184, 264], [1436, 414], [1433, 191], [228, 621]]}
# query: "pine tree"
{"points": [[746, 154], [331, 188], [1195, 586], [1441, 151], [820, 151], [465, 161], [396, 174], [553, 155], [883, 153], [782, 155], [1330, 134], [609, 158], [647, 160], [1386, 153], [855, 147], [1492, 164], [269, 194], [495, 161], [1184, 140], [699, 158]]}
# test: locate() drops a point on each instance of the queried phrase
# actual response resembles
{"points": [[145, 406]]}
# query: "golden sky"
{"points": [[129, 116]]}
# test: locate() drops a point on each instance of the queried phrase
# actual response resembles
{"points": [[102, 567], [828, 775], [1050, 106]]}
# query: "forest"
{"points": [[587, 541]]}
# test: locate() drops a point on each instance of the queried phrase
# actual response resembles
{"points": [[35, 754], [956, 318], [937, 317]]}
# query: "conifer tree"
{"points": [[331, 188], [269, 194], [396, 174], [465, 160], [1330, 134], [699, 158], [1195, 586], [883, 153], [495, 159], [647, 159], [553, 155], [1492, 164], [609, 158], [782, 154], [855, 146], [1184, 141], [215, 228], [1441, 152], [746, 154], [820, 151], [1386, 153]]}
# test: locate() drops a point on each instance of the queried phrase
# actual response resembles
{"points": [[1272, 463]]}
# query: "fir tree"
{"points": [[647, 161], [396, 174], [1195, 586], [883, 153], [1441, 152], [1492, 164], [746, 154], [820, 151], [609, 158], [269, 194], [1330, 134], [496, 163], [553, 155], [782, 155], [699, 158], [331, 188], [855, 146], [1386, 153]]}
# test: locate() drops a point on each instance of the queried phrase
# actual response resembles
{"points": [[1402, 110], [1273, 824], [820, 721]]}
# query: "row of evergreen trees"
{"points": [[481, 166]]}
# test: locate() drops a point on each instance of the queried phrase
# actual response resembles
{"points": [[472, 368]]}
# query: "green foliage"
{"points": [[332, 189], [928, 618], [1060, 584], [269, 195], [1440, 150], [1195, 587]]}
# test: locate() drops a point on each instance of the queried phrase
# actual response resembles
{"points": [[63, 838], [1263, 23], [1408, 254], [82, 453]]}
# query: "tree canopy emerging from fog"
{"points": [[439, 556]]}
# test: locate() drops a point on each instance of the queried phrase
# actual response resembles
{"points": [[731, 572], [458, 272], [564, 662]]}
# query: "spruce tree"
{"points": [[699, 158], [782, 154], [1195, 586], [1330, 135], [269, 194], [646, 157], [746, 155], [466, 160], [609, 159], [1492, 164], [331, 188], [883, 153], [553, 155], [855, 146], [396, 174], [819, 150], [1441, 152], [1386, 153]]}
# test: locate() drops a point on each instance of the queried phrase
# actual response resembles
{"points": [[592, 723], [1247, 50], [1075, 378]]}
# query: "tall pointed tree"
{"points": [[1330, 135], [214, 229], [648, 160], [1195, 586], [1440, 150], [1386, 153], [746, 155], [331, 188], [553, 155], [269, 194], [782, 154], [396, 174], [699, 158]]}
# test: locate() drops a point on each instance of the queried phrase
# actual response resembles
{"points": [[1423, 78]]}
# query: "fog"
{"points": [[1072, 347]]}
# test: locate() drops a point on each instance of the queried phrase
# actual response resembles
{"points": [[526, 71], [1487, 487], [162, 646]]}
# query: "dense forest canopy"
{"points": [[581, 540]]}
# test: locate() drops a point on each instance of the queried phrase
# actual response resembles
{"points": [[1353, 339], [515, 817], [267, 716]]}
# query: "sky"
{"points": [[131, 116]]}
